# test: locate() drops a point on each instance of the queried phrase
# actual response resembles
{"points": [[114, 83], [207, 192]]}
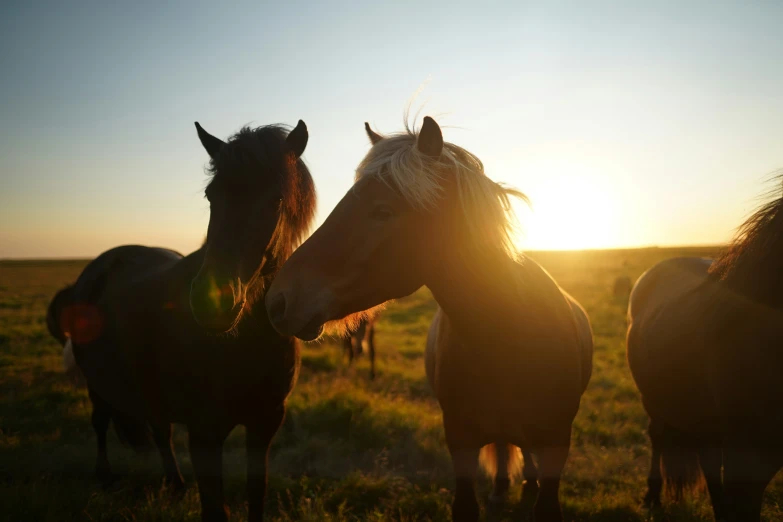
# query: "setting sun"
{"points": [[568, 212]]}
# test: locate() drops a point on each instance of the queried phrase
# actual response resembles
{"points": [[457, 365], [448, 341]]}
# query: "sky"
{"points": [[627, 123]]}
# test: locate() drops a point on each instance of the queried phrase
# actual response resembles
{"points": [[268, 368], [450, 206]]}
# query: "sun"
{"points": [[568, 213]]}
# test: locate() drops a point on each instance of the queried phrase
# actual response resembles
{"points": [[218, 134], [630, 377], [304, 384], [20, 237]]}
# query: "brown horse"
{"points": [[509, 353], [162, 338], [361, 341], [704, 347]]}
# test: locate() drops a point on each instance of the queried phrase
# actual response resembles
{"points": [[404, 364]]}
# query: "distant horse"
{"points": [[509, 353], [162, 338], [704, 347], [361, 340]]}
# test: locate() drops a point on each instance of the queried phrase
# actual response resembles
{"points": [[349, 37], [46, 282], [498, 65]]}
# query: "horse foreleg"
{"points": [[259, 438], [348, 348], [711, 459], [101, 416], [654, 480], [552, 454], [162, 436], [206, 453], [465, 458]]}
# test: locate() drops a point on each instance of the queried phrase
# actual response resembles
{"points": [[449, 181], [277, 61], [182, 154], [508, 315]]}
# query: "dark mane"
{"points": [[265, 149], [752, 263]]}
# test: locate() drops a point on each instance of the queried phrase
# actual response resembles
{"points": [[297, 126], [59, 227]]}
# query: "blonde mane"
{"points": [[486, 205]]}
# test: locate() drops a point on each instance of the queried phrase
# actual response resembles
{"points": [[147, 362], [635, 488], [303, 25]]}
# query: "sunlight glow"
{"points": [[568, 212]]}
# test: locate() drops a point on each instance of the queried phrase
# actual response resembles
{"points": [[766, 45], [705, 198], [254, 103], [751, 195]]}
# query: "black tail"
{"points": [[54, 313], [132, 432], [680, 467]]}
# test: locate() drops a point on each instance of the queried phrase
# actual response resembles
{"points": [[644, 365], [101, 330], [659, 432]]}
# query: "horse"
{"points": [[361, 340], [163, 338], [703, 345], [509, 353]]}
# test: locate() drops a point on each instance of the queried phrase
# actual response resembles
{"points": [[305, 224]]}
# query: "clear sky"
{"points": [[627, 123]]}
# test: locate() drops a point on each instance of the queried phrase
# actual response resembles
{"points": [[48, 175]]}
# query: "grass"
{"points": [[350, 449]]}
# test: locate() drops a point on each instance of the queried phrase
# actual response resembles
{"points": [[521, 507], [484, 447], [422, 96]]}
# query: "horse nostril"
{"points": [[276, 308]]}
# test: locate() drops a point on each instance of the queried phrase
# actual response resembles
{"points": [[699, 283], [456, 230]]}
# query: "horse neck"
{"points": [[759, 278], [485, 294]]}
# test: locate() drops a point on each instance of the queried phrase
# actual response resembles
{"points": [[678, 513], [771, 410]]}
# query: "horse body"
{"points": [[509, 353], [667, 342], [703, 346], [477, 361], [163, 338]]}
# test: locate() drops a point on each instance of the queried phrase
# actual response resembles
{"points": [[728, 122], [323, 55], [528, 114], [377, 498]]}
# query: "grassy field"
{"points": [[350, 449]]}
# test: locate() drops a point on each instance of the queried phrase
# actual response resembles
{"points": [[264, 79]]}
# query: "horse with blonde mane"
{"points": [[704, 347], [509, 352]]}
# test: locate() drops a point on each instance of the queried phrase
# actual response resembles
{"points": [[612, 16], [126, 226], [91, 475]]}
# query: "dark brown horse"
{"points": [[360, 341], [704, 347], [163, 339], [509, 353]]}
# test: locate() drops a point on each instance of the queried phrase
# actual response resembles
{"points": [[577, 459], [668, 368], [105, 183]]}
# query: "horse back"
{"points": [[120, 266], [109, 312]]}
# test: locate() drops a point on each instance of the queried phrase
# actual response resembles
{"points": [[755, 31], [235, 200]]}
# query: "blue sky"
{"points": [[627, 123]]}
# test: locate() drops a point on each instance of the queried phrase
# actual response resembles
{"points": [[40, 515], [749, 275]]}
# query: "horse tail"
{"points": [[680, 467], [132, 432], [54, 313], [501, 461]]}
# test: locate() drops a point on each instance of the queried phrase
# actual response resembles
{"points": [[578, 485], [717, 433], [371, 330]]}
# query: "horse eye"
{"points": [[382, 213]]}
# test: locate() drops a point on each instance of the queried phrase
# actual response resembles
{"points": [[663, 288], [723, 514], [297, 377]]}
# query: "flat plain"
{"points": [[350, 448]]}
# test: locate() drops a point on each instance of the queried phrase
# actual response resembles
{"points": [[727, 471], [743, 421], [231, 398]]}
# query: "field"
{"points": [[350, 449]]}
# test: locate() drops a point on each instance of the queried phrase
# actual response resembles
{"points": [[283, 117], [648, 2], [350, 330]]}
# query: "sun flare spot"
{"points": [[568, 212]]}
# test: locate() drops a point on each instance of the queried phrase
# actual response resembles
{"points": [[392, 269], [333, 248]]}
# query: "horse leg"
{"points": [[711, 460], [465, 459], [348, 348], [747, 472], [101, 416], [259, 439], [552, 457], [654, 480], [371, 349], [206, 453], [529, 471], [161, 434]]}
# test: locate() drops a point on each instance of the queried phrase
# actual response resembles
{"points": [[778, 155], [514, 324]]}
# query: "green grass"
{"points": [[350, 449]]}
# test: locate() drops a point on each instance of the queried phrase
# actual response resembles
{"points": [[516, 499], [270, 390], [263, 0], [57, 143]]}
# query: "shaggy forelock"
{"points": [[397, 161]]}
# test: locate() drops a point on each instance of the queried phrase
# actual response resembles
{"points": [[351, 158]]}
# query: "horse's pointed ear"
{"points": [[211, 143], [430, 140], [374, 137], [297, 138]]}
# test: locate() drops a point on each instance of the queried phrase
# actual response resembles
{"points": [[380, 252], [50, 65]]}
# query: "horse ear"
{"points": [[297, 138], [211, 143], [374, 137], [430, 140]]}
